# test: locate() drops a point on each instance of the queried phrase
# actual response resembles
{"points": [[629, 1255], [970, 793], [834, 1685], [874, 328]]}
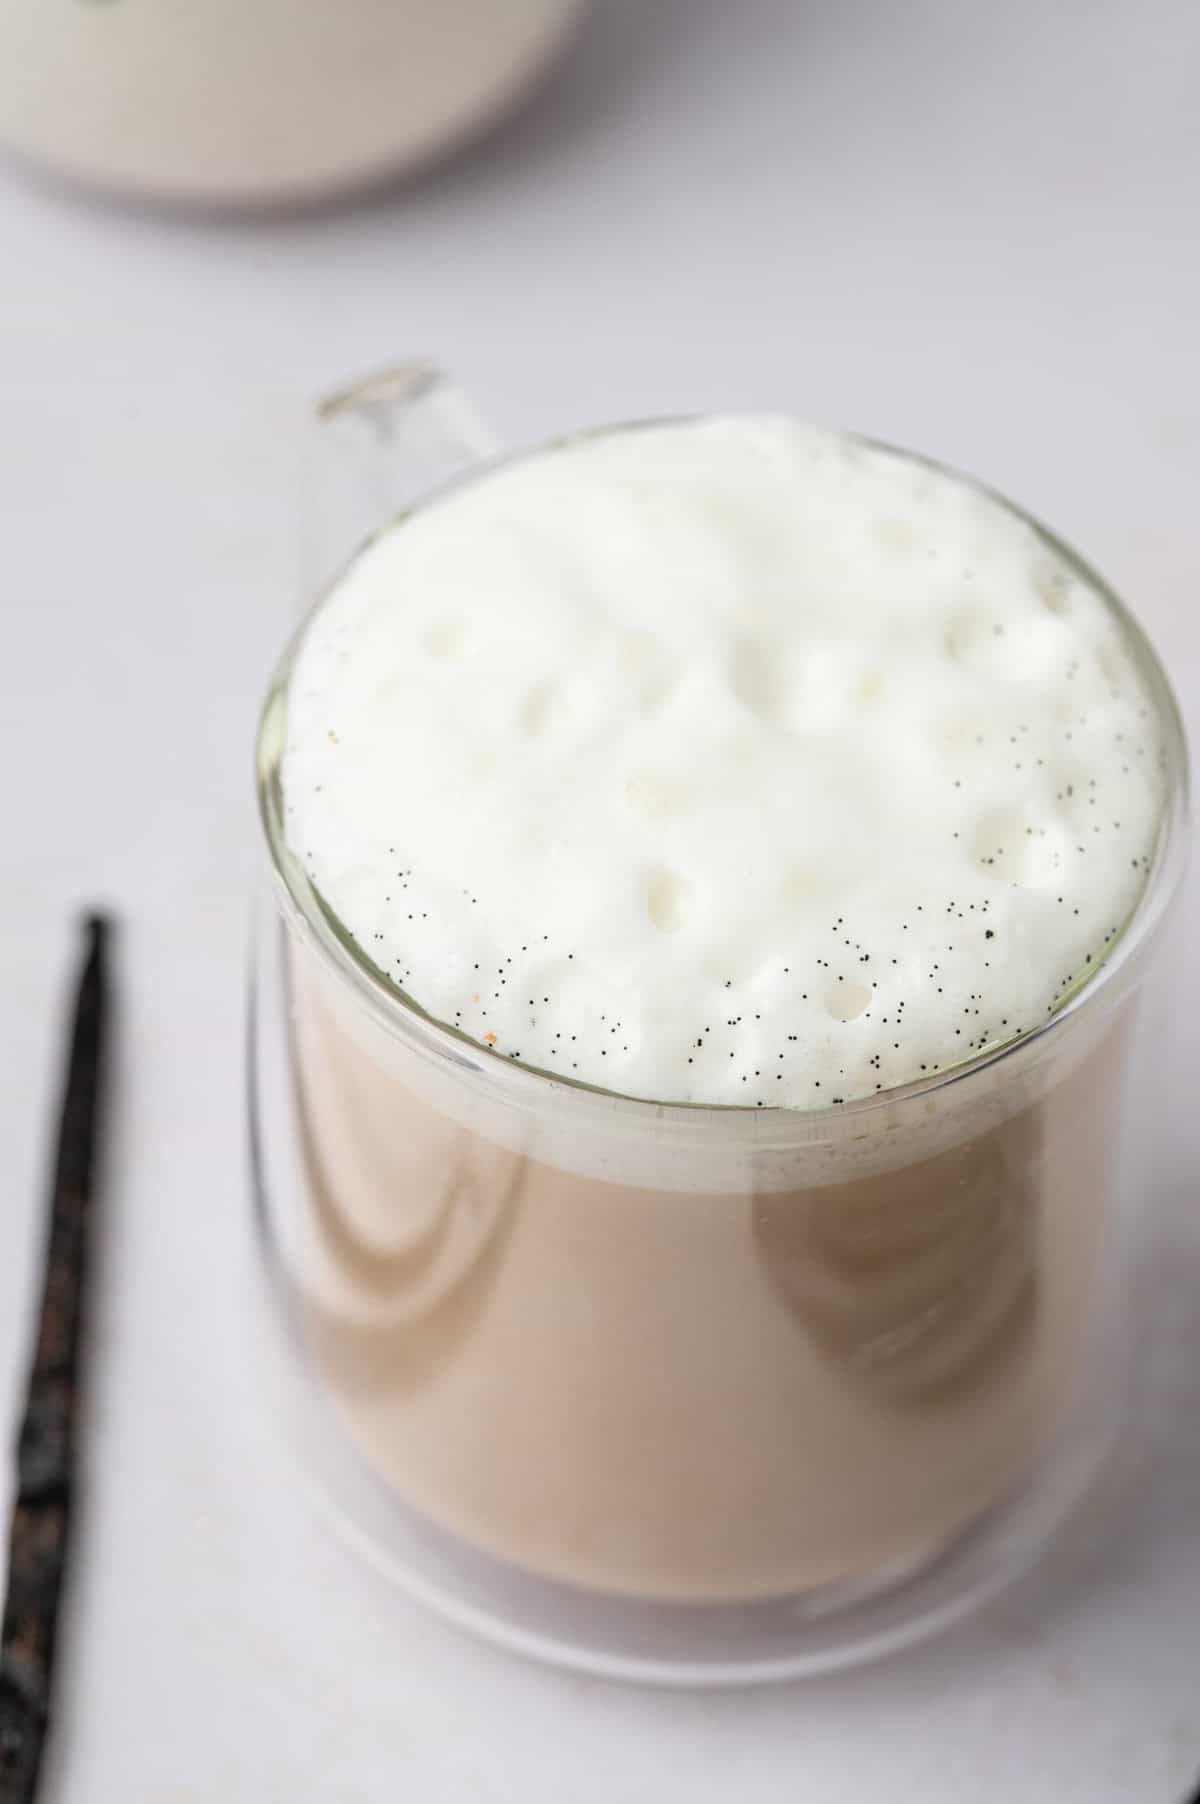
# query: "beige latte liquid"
{"points": [[695, 1393]]}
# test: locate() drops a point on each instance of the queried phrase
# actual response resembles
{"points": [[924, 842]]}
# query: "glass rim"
{"points": [[530, 1086]]}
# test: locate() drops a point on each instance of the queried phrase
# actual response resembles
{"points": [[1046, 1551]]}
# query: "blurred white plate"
{"points": [[259, 102]]}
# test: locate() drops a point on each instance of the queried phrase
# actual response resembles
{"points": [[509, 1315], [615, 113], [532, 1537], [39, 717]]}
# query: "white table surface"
{"points": [[969, 228]]}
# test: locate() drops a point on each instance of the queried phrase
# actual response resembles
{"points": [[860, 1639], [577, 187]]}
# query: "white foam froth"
{"points": [[729, 762]]}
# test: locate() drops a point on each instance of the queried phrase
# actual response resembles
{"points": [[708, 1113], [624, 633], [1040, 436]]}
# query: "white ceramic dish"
{"points": [[252, 103]]}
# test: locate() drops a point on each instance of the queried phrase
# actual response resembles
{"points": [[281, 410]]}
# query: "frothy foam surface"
{"points": [[727, 762]]}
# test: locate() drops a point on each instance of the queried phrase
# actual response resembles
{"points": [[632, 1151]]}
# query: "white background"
{"points": [[972, 229]]}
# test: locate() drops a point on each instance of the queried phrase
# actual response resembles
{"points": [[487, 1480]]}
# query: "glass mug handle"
{"points": [[375, 446]]}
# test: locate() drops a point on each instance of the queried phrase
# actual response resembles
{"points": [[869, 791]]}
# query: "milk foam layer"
{"points": [[726, 762]]}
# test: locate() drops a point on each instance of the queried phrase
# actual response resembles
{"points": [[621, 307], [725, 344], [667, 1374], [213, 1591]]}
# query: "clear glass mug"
{"points": [[681, 1393]]}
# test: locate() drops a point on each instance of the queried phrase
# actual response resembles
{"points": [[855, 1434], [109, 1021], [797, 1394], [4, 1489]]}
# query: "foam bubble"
{"points": [[726, 762]]}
